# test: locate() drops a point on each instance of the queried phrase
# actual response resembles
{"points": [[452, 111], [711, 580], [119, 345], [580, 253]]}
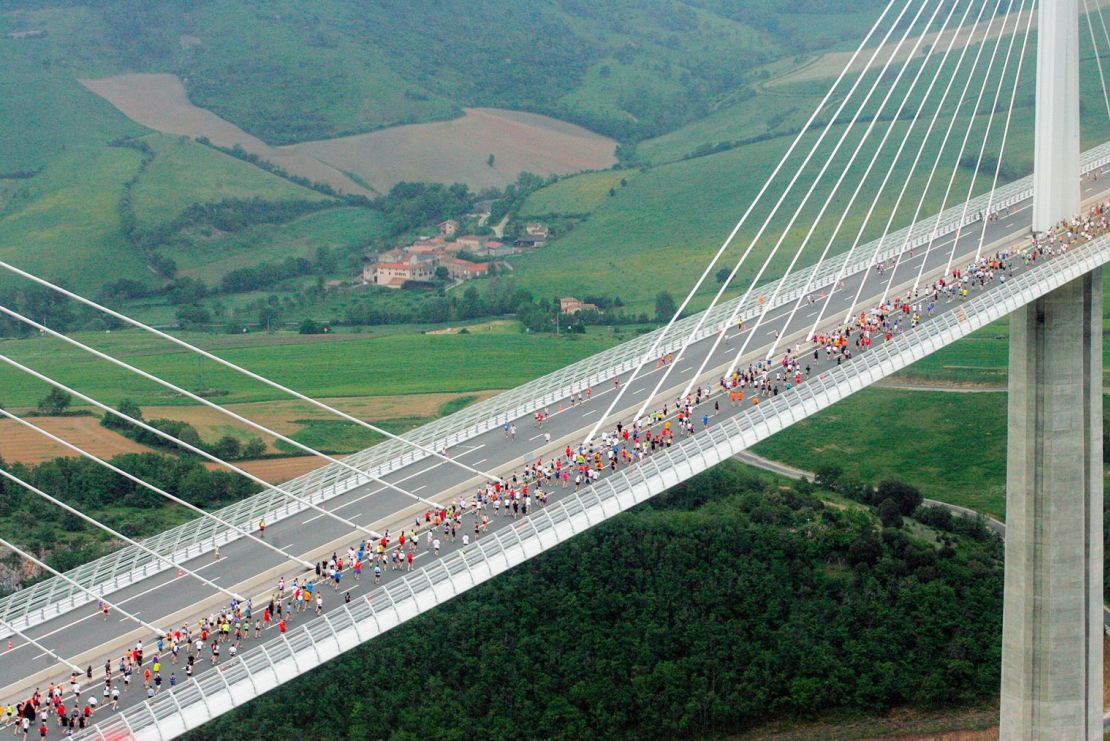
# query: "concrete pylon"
{"points": [[1052, 618]]}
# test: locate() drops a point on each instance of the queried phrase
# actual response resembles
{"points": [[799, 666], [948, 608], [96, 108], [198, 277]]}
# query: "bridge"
{"points": [[1052, 640]]}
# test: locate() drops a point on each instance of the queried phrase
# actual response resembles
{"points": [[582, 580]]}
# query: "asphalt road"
{"points": [[157, 597]]}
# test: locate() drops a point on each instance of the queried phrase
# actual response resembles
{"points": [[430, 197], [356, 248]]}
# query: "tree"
{"points": [[56, 402], [308, 326], [827, 475], [664, 306], [471, 305], [889, 513], [907, 497], [193, 317], [126, 407], [442, 273], [489, 160], [254, 448], [722, 275], [227, 448]]}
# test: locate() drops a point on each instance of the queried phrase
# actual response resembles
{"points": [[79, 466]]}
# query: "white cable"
{"points": [[43, 565], [650, 354], [859, 185], [936, 162], [207, 403], [156, 490], [191, 448], [12, 629], [114, 533], [753, 283], [889, 224], [959, 155], [751, 245], [986, 135], [238, 368], [986, 138], [1098, 59], [1102, 22], [1005, 135], [913, 168]]}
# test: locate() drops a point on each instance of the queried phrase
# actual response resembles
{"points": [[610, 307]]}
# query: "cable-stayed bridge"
{"points": [[893, 300]]}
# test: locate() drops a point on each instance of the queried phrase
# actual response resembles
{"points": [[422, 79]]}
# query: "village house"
{"points": [[530, 241], [572, 305], [463, 269], [469, 242], [536, 230], [418, 261], [396, 274], [448, 228]]}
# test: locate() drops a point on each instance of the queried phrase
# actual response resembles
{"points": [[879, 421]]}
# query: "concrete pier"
{"points": [[1052, 622]]}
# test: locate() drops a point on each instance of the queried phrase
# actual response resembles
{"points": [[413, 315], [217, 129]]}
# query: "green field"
{"points": [[580, 194], [210, 256], [68, 228], [661, 230], [184, 172], [321, 366], [952, 446]]}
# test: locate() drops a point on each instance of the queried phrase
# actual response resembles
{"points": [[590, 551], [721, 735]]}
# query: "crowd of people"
{"points": [[464, 520]]}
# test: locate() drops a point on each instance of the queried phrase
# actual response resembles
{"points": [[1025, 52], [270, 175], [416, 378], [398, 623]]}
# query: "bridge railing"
{"points": [[51, 597], [309, 645]]}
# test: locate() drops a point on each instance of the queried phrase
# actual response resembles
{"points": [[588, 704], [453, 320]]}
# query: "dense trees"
{"points": [[227, 448], [720, 605]]}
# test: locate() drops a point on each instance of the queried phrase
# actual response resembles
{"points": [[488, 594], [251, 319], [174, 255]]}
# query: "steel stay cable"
{"points": [[859, 185], [990, 124], [959, 156], [940, 154], [1005, 133], [16, 631], [782, 197], [752, 284], [47, 567], [114, 533], [1102, 22], [161, 492], [209, 404], [758, 198], [948, 190], [890, 220], [913, 167], [990, 199], [228, 364], [982, 148], [983, 231], [191, 448], [1098, 59]]}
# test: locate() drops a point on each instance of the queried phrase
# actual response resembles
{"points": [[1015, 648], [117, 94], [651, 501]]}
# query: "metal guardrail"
{"points": [[51, 597], [266, 666]]}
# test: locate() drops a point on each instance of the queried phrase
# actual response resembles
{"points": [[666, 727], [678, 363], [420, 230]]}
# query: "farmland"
{"points": [[321, 366], [457, 151]]}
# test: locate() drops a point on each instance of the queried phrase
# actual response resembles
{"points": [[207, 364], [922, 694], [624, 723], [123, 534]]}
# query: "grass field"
{"points": [[319, 365], [910, 435], [580, 194], [184, 172], [212, 255], [68, 228], [952, 446]]}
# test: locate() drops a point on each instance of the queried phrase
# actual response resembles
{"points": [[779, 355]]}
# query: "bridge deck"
{"points": [[166, 600]]}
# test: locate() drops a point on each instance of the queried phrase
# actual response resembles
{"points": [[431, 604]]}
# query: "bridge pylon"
{"points": [[1053, 606]]}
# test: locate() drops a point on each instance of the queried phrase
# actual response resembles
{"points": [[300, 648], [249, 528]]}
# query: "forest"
{"points": [[721, 605]]}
